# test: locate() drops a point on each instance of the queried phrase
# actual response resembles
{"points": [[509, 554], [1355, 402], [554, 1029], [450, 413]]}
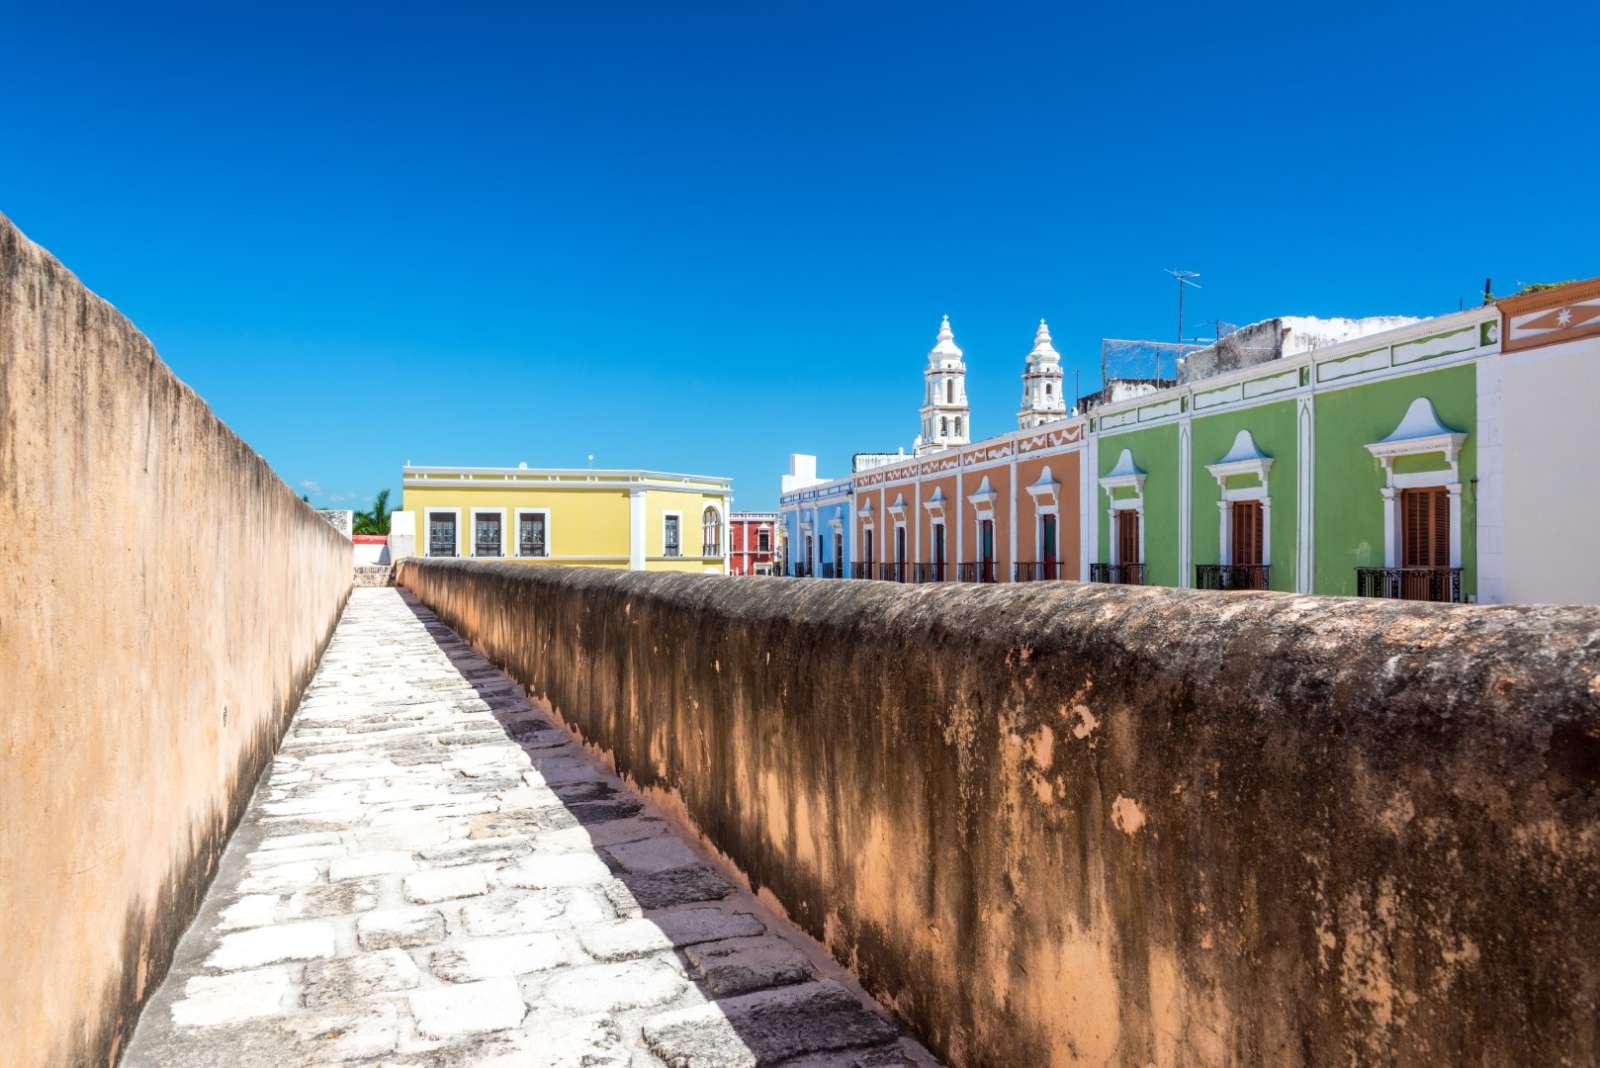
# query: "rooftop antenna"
{"points": [[1185, 278]]}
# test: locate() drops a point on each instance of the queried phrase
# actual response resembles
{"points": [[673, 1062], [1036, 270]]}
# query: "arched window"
{"points": [[949, 391], [944, 428], [958, 426], [711, 532]]}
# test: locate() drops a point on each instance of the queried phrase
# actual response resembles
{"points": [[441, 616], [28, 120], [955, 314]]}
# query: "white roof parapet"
{"points": [[1487, 317], [580, 472]]}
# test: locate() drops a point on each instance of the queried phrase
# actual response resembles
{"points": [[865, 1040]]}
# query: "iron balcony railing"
{"points": [[799, 570], [1410, 583], [1124, 574], [978, 571], [895, 572], [829, 569], [1232, 576], [935, 571], [863, 569], [1038, 570]]}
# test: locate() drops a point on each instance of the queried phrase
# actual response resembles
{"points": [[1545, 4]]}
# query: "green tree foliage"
{"points": [[377, 520]]}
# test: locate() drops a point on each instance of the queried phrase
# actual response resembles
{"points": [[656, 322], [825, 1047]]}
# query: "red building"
{"points": [[754, 549]]}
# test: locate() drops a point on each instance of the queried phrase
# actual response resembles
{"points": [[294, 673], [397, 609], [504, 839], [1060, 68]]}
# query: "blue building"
{"points": [[817, 521]]}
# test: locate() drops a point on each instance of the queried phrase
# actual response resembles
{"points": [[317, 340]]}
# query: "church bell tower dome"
{"points": [[1042, 399], [946, 417]]}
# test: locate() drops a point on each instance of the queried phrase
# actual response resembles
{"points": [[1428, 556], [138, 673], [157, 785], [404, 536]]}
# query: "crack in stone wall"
{"points": [[1062, 824]]}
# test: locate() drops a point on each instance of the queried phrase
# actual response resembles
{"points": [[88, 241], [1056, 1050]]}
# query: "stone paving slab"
{"points": [[432, 873]]}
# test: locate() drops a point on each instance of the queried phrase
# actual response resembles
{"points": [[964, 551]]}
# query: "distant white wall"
{"points": [[366, 553], [802, 472], [1552, 473], [402, 535]]}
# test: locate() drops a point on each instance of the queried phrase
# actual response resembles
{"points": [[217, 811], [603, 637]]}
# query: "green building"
{"points": [[1394, 464]]}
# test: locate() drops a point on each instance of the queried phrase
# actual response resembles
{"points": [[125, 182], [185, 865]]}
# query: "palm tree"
{"points": [[377, 520]]}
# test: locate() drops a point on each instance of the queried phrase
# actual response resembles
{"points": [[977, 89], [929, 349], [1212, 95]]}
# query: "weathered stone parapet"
{"points": [[164, 598], [1063, 824]]}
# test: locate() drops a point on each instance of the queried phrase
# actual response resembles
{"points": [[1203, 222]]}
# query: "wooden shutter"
{"points": [[1128, 537], [1441, 528], [1247, 534], [1425, 527]]}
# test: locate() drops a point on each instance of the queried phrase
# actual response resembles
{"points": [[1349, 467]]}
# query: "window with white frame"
{"points": [[486, 532], [671, 534], [1123, 486], [763, 540], [1244, 506], [533, 534], [1414, 521], [441, 533], [711, 531]]}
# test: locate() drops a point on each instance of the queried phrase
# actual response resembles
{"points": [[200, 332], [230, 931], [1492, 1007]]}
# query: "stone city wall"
{"points": [[165, 598], [1059, 824]]}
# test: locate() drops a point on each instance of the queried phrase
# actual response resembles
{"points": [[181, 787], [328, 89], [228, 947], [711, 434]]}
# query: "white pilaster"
{"points": [[1391, 529], [1013, 504], [916, 522], [1305, 511], [636, 529], [1491, 489], [1455, 523], [961, 522], [1088, 505], [1185, 569]]}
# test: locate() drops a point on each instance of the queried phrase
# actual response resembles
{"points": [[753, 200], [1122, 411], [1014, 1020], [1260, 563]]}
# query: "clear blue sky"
{"points": [[697, 238]]}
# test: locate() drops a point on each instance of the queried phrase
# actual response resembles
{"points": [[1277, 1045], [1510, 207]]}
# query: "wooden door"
{"points": [[985, 550], [1047, 545], [1128, 544], [1245, 522], [1425, 543]]}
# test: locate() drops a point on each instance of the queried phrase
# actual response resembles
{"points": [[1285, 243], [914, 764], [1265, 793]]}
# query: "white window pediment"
{"points": [[1125, 475], [898, 508], [1244, 458], [1046, 490], [1420, 432], [982, 499], [935, 505]]}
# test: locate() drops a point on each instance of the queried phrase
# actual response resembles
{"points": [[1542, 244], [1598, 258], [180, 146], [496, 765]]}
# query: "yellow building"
{"points": [[642, 520]]}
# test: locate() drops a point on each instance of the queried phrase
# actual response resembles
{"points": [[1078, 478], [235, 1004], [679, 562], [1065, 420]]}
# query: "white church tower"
{"points": [[1042, 401], [946, 419]]}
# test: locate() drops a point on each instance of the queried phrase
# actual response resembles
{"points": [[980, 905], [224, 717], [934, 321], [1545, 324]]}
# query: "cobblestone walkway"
{"points": [[433, 874]]}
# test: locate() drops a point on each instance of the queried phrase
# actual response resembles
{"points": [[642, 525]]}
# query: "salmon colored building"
{"points": [[999, 510]]}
